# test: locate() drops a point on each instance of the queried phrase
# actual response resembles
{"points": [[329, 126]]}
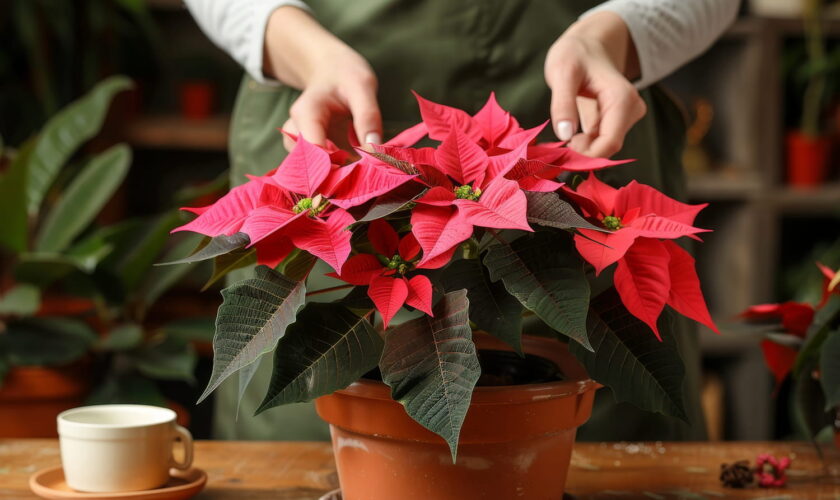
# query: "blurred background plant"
{"points": [[78, 295]]}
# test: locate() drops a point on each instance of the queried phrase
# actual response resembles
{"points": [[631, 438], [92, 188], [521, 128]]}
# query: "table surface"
{"points": [[304, 471]]}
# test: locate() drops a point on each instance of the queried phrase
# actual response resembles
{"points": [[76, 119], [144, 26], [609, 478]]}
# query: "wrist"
{"points": [[610, 32]]}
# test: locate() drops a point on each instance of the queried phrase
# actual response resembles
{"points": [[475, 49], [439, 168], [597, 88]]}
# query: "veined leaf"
{"points": [[220, 245], [394, 201], [245, 375], [548, 209], [630, 360], [22, 300], [432, 367], [65, 132], [544, 272], [251, 320], [47, 341], [492, 308], [830, 370], [229, 262], [327, 349], [84, 198]]}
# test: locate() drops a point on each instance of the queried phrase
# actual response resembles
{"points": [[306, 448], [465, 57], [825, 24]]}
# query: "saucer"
{"points": [[336, 495], [50, 484]]}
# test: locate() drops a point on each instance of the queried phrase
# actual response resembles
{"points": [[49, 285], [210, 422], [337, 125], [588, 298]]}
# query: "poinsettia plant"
{"points": [[804, 342], [471, 230]]}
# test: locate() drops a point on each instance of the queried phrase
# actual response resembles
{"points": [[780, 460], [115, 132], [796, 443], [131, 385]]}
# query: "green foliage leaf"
{"points": [[327, 349], [157, 280], [46, 341], [219, 245], [830, 370], [129, 388], [389, 203], [42, 270], [13, 201], [298, 266], [122, 338], [22, 300], [817, 333], [432, 367], [629, 359], [548, 209], [545, 274], [492, 308], [84, 198], [166, 358], [138, 245], [253, 317], [229, 262], [245, 375], [64, 133], [190, 329]]}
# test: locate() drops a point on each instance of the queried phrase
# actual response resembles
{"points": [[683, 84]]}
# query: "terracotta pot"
{"points": [[807, 159], [197, 98], [32, 397], [516, 441]]}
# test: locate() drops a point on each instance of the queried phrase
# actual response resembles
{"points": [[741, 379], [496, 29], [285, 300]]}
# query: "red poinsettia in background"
{"points": [[795, 318], [652, 270]]}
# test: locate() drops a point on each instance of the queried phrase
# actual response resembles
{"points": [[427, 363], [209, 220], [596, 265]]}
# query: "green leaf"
{"points": [[84, 198], [13, 201], [548, 209], [122, 338], [431, 365], [136, 251], [190, 329], [544, 272], [47, 341], [64, 133], [808, 406], [245, 375], [219, 245], [389, 203], [492, 308], [253, 317], [298, 266], [629, 359], [130, 388], [157, 280], [830, 370], [22, 300], [817, 333], [229, 262], [166, 359], [327, 349], [42, 270]]}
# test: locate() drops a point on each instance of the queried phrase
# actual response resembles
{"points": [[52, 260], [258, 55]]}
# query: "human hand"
{"points": [[339, 86], [588, 70]]}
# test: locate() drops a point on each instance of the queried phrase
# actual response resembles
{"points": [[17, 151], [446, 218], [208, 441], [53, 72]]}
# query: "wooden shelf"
{"points": [[175, 132], [822, 200], [734, 184]]}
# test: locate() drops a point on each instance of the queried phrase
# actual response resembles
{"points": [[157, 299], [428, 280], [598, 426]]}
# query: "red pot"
{"points": [[807, 159], [516, 441], [197, 99]]}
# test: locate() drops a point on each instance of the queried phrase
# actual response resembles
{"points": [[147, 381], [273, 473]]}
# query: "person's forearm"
{"points": [[294, 45], [610, 31]]}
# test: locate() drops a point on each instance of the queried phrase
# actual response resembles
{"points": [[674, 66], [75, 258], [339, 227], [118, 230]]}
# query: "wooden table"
{"points": [[304, 471]]}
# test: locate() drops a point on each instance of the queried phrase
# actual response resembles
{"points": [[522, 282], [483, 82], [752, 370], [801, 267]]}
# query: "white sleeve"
{"points": [[669, 33], [238, 27]]}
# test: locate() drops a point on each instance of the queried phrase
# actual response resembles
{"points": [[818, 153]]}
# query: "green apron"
{"points": [[456, 53]]}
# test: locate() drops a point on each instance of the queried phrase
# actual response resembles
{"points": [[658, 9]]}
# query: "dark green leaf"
{"points": [[830, 370], [548, 209], [245, 375], [299, 265], [544, 272], [190, 329], [391, 202], [166, 359], [130, 388], [13, 206], [229, 262], [157, 280], [84, 198], [47, 341], [65, 132], [251, 320], [220, 245], [629, 359], [327, 349], [817, 334], [492, 308], [808, 406], [136, 252], [122, 338], [42, 270], [432, 367], [22, 300]]}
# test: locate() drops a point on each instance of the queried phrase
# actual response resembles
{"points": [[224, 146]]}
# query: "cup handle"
{"points": [[186, 439]]}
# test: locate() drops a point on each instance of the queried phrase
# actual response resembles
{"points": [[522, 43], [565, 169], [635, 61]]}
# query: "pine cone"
{"points": [[737, 475]]}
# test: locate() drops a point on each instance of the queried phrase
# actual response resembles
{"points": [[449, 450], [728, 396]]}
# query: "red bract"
{"points": [[795, 317], [651, 273], [299, 204], [831, 284], [386, 274]]}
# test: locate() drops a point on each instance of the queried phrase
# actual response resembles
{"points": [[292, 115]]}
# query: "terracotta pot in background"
{"points": [[807, 159], [516, 441], [31, 397], [197, 99]]}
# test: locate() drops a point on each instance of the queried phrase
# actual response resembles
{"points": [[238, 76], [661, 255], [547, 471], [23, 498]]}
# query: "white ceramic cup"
{"points": [[111, 448]]}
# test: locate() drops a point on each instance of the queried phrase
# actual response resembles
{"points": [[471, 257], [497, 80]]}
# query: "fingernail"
{"points": [[373, 138], [564, 130]]}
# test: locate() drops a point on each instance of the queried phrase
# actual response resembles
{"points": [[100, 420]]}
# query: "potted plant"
{"points": [[464, 237], [805, 343], [809, 147], [73, 296]]}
